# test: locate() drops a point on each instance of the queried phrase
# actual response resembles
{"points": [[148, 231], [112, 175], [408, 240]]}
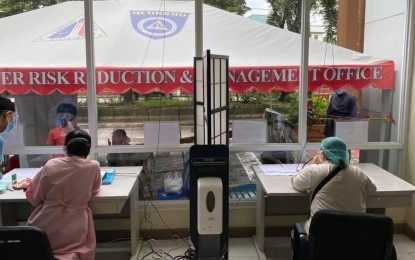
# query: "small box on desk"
{"points": [[107, 176]]}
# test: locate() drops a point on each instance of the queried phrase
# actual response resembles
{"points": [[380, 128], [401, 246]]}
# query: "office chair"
{"points": [[344, 236], [24, 242]]}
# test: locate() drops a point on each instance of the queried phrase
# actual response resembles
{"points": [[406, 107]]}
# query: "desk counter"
{"points": [[392, 191], [109, 200], [275, 196]]}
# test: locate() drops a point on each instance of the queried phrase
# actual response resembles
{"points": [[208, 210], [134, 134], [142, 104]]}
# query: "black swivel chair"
{"points": [[344, 236], [23, 243]]}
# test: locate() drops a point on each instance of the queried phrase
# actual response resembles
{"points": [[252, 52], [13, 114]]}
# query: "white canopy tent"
{"points": [[148, 45]]}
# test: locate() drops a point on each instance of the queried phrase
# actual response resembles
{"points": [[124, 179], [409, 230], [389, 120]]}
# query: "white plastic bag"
{"points": [[173, 183]]}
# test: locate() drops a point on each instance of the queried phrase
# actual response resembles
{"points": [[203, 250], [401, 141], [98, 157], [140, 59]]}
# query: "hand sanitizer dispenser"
{"points": [[210, 206], [209, 201]]}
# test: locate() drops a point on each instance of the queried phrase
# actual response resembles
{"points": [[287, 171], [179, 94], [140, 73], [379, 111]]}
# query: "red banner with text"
{"points": [[44, 81]]}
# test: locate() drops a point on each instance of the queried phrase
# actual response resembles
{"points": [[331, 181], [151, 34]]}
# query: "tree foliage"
{"points": [[285, 12], [12, 7], [233, 6], [288, 12], [329, 10]]}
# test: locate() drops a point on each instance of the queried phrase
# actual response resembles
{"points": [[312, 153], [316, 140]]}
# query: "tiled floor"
{"points": [[277, 248]]}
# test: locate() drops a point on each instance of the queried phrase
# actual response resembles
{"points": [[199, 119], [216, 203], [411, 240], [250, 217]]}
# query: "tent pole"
{"points": [[90, 67], [199, 28], [303, 95]]}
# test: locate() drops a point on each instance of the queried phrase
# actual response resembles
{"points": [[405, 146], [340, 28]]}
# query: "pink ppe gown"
{"points": [[60, 192]]}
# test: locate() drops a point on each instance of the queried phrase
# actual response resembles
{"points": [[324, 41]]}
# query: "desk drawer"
{"points": [[107, 207], [390, 201]]}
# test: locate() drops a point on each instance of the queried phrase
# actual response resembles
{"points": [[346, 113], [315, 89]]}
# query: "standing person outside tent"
{"points": [[66, 114], [341, 105], [8, 121], [61, 192]]}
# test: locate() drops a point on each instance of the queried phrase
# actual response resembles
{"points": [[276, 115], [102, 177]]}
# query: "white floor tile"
{"points": [[242, 247], [403, 244], [405, 256], [276, 248]]}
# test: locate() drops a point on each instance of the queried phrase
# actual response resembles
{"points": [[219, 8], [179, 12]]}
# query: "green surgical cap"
{"points": [[336, 151]]}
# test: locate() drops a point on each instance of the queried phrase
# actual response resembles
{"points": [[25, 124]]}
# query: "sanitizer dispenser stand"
{"points": [[209, 201]]}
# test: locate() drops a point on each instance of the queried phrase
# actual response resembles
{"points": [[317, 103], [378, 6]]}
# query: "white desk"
{"points": [[275, 196], [109, 200]]}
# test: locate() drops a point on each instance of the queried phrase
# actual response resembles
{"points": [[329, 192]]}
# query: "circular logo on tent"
{"points": [[157, 26]]}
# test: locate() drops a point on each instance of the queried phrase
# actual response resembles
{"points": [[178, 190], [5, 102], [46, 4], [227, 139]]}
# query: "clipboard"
{"points": [[107, 176]]}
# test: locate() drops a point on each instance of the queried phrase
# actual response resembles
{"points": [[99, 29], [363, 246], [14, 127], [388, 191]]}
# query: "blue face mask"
{"points": [[1, 149], [10, 127], [340, 92], [62, 121]]}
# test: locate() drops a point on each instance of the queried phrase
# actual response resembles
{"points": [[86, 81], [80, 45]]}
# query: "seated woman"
{"points": [[119, 137], [60, 192]]}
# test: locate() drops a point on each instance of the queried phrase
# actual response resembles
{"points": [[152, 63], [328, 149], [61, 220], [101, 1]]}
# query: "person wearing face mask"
{"points": [[341, 105], [348, 190], [65, 123], [120, 137], [279, 131], [8, 121], [60, 192]]}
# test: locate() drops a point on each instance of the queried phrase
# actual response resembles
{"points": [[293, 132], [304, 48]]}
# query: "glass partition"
{"points": [[144, 80]]}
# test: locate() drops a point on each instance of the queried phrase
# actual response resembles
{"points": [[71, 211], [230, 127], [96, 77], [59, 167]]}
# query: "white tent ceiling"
{"points": [[150, 44]]}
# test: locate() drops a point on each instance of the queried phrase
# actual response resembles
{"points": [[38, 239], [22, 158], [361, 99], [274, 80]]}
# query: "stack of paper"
{"points": [[280, 169]]}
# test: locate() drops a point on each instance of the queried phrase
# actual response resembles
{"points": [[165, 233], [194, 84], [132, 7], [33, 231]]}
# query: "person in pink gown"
{"points": [[60, 192]]}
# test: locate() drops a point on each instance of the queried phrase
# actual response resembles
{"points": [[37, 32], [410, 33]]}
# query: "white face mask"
{"points": [[1, 149], [320, 158], [278, 130]]}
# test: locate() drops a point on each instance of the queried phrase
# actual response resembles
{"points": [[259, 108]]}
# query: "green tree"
{"points": [[233, 6], [329, 10], [12, 7], [289, 12], [285, 12]]}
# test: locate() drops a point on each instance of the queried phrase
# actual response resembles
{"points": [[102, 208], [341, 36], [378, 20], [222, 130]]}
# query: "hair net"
{"points": [[336, 151]]}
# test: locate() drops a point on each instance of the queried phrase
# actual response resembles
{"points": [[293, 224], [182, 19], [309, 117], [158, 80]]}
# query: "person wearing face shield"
{"points": [[279, 131], [8, 122], [347, 191], [65, 123], [341, 105]]}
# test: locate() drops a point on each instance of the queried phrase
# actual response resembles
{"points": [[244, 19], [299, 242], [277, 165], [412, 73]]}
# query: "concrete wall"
{"points": [[385, 24], [410, 155]]}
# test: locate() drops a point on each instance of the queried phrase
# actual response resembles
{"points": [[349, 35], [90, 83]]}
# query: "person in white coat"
{"points": [[347, 191], [349, 188]]}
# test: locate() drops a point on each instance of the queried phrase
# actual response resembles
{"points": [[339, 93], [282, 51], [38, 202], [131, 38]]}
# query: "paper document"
{"points": [[21, 173], [280, 169]]}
